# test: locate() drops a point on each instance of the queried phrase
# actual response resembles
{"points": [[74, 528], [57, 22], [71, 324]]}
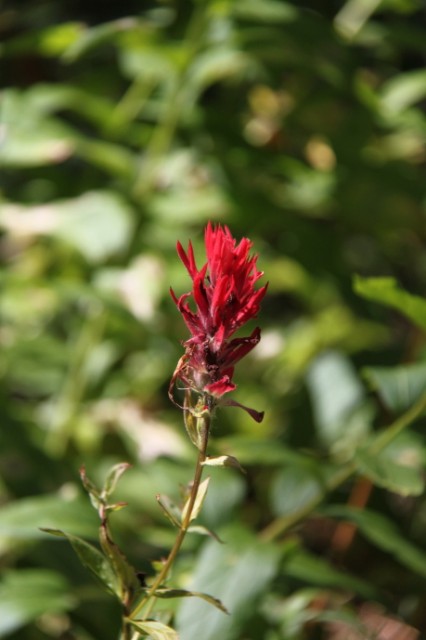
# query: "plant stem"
{"points": [[281, 525], [284, 523], [149, 599], [125, 630]]}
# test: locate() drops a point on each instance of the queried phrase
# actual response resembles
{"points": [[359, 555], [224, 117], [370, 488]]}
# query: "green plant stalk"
{"points": [[149, 599], [281, 525], [74, 384], [164, 132]]}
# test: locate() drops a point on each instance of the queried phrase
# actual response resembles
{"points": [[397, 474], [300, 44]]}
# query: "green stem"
{"points": [[125, 630], [149, 599], [281, 525], [74, 385], [388, 435], [163, 134], [284, 523]]}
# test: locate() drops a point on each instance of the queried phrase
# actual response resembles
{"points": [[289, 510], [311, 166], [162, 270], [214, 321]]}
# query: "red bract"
{"points": [[225, 299]]}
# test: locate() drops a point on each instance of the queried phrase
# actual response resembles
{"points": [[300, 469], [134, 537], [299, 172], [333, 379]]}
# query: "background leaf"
{"points": [[387, 291], [26, 595], [236, 572], [382, 532], [398, 387]]}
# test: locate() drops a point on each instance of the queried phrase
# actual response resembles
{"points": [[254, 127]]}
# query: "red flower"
{"points": [[225, 299]]}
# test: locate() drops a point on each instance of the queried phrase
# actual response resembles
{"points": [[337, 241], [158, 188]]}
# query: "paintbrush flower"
{"points": [[224, 298]]}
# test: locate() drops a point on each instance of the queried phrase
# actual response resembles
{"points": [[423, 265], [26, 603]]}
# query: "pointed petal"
{"points": [[256, 415]]}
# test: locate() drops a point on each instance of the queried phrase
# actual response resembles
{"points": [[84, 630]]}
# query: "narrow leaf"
{"points": [[223, 461], [91, 558], [201, 494], [203, 531], [382, 532], [387, 291], [113, 477], [183, 593], [154, 629], [315, 570], [92, 490], [170, 510], [128, 582]]}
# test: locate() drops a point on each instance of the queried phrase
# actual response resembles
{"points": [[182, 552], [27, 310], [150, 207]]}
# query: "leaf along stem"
{"points": [[281, 525], [149, 600]]}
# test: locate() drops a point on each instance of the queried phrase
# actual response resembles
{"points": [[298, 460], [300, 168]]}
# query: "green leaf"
{"points": [[337, 395], [183, 593], [91, 558], [97, 36], [24, 518], [383, 532], [315, 570], [49, 142], [398, 387], [198, 504], [223, 461], [91, 488], [55, 39], [113, 477], [404, 479], [404, 90], [154, 629], [126, 579], [29, 593], [237, 572], [170, 510], [387, 291], [296, 486], [203, 531], [98, 224], [226, 493], [216, 65], [267, 11]]}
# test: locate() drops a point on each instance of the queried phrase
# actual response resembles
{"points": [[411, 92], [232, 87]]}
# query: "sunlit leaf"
{"points": [[404, 90], [154, 629], [98, 223], [223, 461], [96, 36], [198, 503], [387, 291]]}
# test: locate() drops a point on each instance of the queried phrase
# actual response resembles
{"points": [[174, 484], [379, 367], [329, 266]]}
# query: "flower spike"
{"points": [[225, 298]]}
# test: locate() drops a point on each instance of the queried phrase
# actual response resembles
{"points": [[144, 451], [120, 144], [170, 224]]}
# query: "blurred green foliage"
{"points": [[125, 127]]}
